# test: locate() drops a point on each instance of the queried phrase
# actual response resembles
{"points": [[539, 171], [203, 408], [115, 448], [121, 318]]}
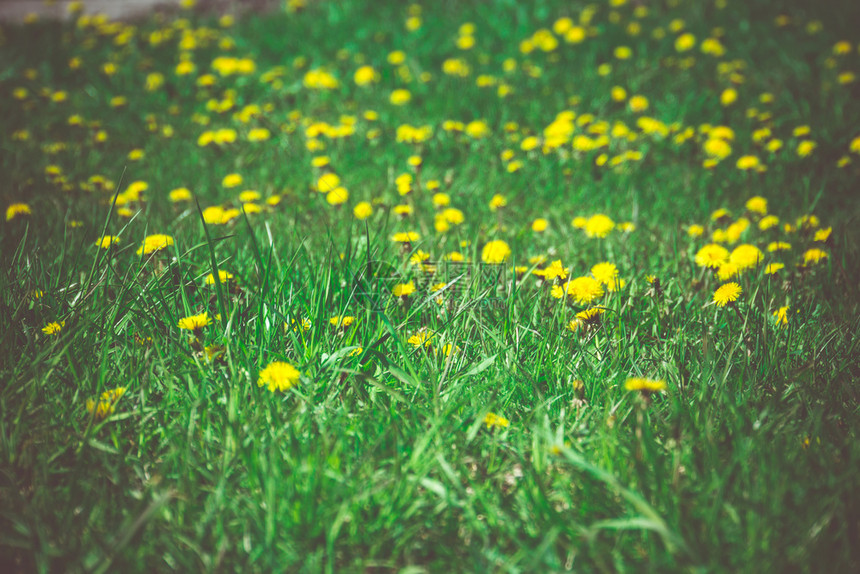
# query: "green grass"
{"points": [[379, 459]]}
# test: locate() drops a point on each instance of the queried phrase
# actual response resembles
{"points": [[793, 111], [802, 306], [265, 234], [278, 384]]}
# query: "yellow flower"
{"points": [[781, 315], [279, 376], [746, 256], [337, 196], [328, 182], [53, 328], [495, 252], [342, 321], [727, 293], [767, 222], [17, 209], [194, 322], [748, 162], [540, 224], [814, 255], [583, 290], [405, 237], [224, 276], [645, 385], [153, 243], [180, 194], [599, 225], [695, 230], [365, 75], [403, 289], [728, 97], [362, 210], [712, 256], [106, 404], [498, 201], [605, 272], [421, 338], [772, 268], [778, 246], [106, 241], [685, 42], [823, 234], [232, 180], [400, 97], [638, 103], [494, 420], [805, 148]]}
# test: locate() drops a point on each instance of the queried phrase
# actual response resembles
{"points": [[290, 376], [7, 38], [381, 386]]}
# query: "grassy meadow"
{"points": [[478, 286]]}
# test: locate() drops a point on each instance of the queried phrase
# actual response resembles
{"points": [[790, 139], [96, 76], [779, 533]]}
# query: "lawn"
{"points": [[370, 286]]}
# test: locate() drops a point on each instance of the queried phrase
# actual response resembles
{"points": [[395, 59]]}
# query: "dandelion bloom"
{"points": [[778, 246], [645, 385], [400, 97], [814, 255], [405, 237], [422, 338], [224, 276], [495, 252], [194, 322], [748, 162], [106, 241], [153, 243], [584, 290], [599, 225], [362, 210], [746, 256], [279, 376], [494, 420], [772, 268], [712, 256], [232, 180], [342, 321], [180, 194], [17, 209], [727, 293], [540, 224], [781, 315], [328, 182], [403, 289], [605, 272], [106, 403], [53, 328], [337, 196]]}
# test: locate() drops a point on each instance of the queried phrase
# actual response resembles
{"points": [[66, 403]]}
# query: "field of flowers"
{"points": [[504, 286]]}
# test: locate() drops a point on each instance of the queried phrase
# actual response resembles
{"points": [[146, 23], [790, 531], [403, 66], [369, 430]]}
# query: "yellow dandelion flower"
{"points": [[17, 209], [53, 328], [279, 376], [495, 252], [598, 225], [712, 256], [583, 290], [746, 256], [194, 322], [403, 289], [772, 268], [106, 241], [644, 385], [153, 243], [232, 180], [362, 210], [342, 321], [727, 293], [781, 316], [223, 277], [605, 272], [493, 420], [814, 255], [405, 237]]}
